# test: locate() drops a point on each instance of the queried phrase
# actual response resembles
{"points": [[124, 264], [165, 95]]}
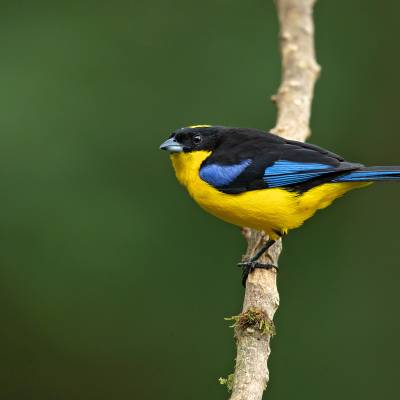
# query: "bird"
{"points": [[256, 179]]}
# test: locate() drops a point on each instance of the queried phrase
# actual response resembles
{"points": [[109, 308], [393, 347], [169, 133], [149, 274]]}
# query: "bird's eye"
{"points": [[197, 139]]}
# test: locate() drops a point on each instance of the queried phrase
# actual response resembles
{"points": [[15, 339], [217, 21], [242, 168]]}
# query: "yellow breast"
{"points": [[269, 210]]}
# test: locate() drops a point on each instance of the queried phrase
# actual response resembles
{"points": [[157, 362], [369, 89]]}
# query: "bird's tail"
{"points": [[371, 174]]}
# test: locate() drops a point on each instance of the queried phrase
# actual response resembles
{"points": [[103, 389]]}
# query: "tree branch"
{"points": [[254, 326]]}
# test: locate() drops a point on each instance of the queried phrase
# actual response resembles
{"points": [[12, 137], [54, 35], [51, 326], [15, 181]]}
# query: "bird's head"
{"points": [[192, 146], [193, 138]]}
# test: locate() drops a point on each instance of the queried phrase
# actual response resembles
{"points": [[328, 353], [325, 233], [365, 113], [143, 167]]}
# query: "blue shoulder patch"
{"points": [[285, 173], [222, 175]]}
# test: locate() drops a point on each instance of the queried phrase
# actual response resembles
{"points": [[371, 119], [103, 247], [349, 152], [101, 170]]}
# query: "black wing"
{"points": [[249, 160]]}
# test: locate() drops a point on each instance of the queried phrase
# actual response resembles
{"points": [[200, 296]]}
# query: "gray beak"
{"points": [[172, 146]]}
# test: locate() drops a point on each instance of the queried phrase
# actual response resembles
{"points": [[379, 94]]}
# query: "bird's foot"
{"points": [[250, 266]]}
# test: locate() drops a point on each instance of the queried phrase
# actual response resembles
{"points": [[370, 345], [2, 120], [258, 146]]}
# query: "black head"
{"points": [[194, 138]]}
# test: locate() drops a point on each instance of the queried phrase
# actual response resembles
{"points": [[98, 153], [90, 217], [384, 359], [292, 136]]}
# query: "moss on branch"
{"points": [[253, 320]]}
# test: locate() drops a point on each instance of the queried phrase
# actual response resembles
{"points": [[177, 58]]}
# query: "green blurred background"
{"points": [[113, 283]]}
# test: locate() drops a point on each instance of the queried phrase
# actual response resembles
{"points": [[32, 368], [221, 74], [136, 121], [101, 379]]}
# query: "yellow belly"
{"points": [[265, 209]]}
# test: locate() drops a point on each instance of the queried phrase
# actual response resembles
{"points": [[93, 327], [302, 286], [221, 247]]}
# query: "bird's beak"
{"points": [[172, 146]]}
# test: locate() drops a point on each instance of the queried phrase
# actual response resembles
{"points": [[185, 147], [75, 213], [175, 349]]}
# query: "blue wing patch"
{"points": [[285, 173], [222, 175]]}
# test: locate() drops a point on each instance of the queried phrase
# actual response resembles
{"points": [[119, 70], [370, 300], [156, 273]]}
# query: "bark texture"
{"points": [[299, 74]]}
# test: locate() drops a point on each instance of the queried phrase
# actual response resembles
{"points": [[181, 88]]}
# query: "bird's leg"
{"points": [[252, 264], [263, 249]]}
